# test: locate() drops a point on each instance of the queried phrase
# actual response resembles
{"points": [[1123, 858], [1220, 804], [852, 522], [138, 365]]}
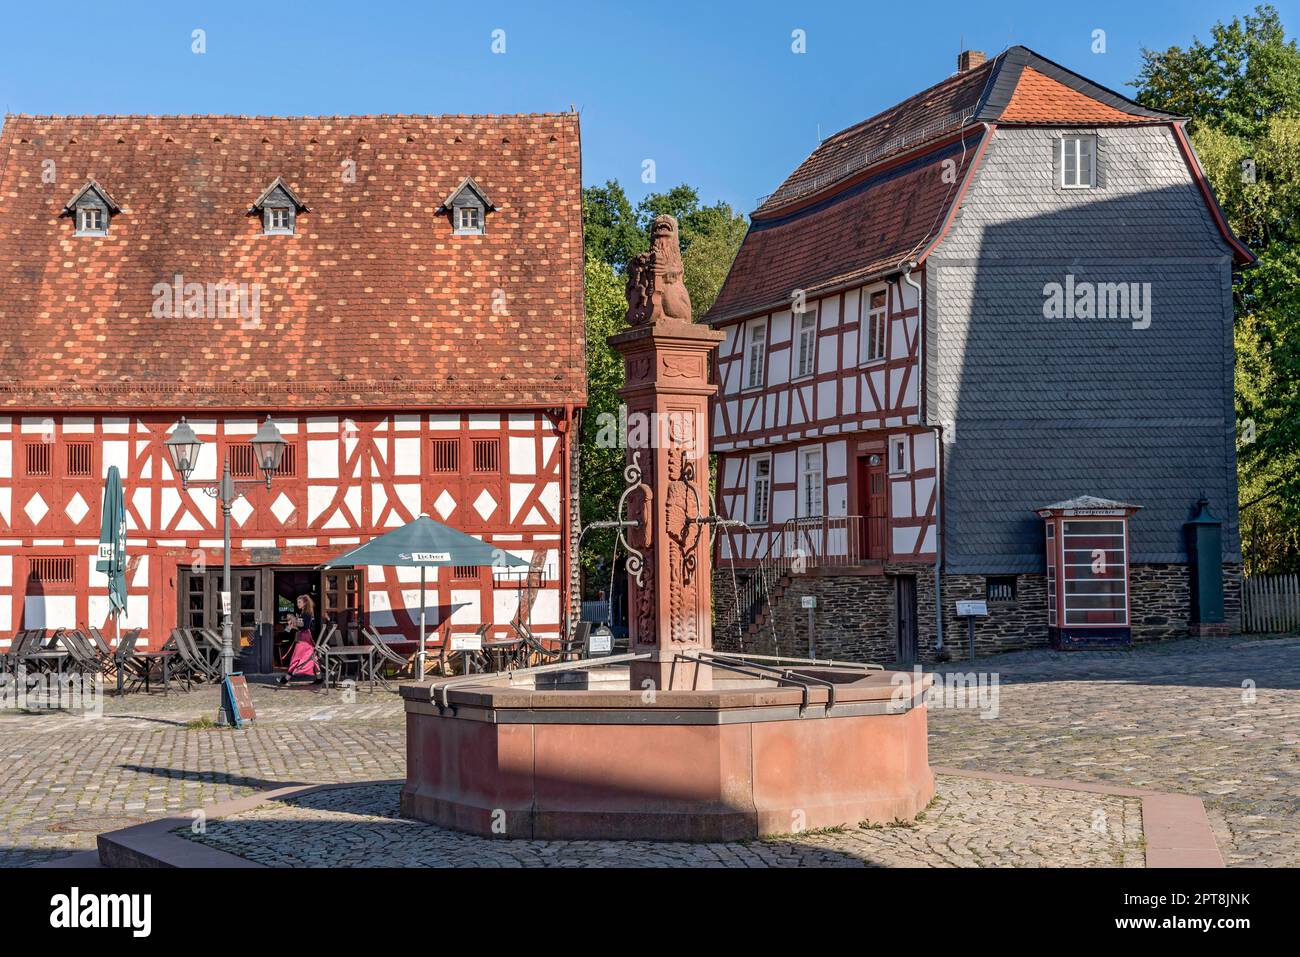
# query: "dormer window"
{"points": [[468, 207], [279, 206], [91, 209]]}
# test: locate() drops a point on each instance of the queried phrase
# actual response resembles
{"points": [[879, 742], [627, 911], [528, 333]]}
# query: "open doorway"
{"points": [[286, 585]]}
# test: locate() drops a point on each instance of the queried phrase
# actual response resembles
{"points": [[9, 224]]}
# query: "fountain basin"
{"points": [[744, 759]]}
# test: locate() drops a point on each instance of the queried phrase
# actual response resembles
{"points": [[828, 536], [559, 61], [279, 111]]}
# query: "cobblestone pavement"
{"points": [[1173, 716], [970, 824], [67, 777], [1217, 718]]}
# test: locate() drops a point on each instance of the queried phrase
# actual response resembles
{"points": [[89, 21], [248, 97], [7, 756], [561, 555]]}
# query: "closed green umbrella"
{"points": [[425, 543], [112, 545]]}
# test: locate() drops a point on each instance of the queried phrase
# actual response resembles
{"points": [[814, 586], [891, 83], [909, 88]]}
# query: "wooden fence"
{"points": [[1271, 603]]}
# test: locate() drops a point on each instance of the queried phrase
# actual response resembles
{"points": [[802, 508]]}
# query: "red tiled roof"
{"points": [[851, 212], [943, 108], [1040, 99], [372, 302], [862, 231]]}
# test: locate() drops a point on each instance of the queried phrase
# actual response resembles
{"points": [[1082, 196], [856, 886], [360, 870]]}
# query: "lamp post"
{"points": [[183, 448]]}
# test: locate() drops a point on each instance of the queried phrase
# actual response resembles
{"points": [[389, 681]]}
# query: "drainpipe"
{"points": [[937, 431]]}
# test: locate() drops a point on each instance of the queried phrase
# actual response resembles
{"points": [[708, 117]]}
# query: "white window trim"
{"points": [[757, 331], [462, 230], [799, 319], [84, 230], [897, 442], [268, 221], [804, 473], [864, 331], [753, 490], [1077, 141]]}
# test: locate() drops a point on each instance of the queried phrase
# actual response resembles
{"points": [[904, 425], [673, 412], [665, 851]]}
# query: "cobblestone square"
{"points": [[1217, 719]]}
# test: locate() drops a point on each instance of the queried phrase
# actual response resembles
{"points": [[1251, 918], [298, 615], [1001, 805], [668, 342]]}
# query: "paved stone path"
{"points": [[1170, 717], [971, 824], [1216, 718]]}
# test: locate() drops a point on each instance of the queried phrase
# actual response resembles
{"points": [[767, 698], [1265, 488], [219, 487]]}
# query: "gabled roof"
{"points": [[369, 306], [91, 187], [283, 187], [871, 199], [467, 184]]}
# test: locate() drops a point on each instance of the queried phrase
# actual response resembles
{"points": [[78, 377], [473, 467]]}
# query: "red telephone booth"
{"points": [[1087, 572]]}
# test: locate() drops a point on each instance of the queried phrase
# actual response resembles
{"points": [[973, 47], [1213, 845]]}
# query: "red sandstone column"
{"points": [[667, 394]]}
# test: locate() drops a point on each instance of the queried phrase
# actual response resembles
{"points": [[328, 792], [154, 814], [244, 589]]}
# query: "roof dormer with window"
{"points": [[279, 206], [91, 208], [467, 206]]}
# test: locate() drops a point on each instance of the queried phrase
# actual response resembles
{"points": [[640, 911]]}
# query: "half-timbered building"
{"points": [[401, 294], [906, 380]]}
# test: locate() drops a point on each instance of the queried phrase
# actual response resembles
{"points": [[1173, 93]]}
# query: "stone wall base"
{"points": [[856, 617]]}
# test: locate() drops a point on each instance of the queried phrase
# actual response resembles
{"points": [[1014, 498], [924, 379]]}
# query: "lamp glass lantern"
{"points": [[183, 448], [268, 447]]}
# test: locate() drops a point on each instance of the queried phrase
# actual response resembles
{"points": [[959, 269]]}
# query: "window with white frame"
{"points": [[875, 325], [469, 219], [1078, 162], [90, 221], [760, 490], [806, 359], [278, 221], [810, 483], [757, 356], [899, 463]]}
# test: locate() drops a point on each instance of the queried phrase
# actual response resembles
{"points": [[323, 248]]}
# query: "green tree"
{"points": [[1242, 93], [614, 232]]}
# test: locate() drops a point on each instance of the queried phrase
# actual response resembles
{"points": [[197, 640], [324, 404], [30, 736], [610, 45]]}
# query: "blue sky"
{"points": [[712, 92]]}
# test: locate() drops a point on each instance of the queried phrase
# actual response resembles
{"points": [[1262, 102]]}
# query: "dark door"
{"points": [[873, 484], [905, 600], [199, 602], [340, 591]]}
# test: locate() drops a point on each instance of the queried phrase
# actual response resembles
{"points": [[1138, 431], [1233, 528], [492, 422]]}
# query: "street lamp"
{"points": [[183, 449]]}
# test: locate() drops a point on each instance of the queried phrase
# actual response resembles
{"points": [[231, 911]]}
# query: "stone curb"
{"points": [[1176, 828]]}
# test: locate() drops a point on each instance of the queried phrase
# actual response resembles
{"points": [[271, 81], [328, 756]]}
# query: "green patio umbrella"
{"points": [[425, 544], [112, 546]]}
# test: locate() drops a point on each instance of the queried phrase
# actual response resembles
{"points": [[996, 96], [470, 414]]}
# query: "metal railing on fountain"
{"points": [[795, 547]]}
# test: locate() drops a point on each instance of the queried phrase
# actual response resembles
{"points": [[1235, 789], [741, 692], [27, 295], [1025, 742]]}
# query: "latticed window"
{"points": [[51, 571], [487, 455], [79, 459], [446, 455], [757, 355], [38, 458], [244, 464], [464, 572]]}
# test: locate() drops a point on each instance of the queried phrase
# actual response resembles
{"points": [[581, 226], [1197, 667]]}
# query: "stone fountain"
{"points": [[671, 741]]}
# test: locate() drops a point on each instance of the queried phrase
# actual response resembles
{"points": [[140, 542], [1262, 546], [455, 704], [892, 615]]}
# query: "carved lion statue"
{"points": [[655, 289]]}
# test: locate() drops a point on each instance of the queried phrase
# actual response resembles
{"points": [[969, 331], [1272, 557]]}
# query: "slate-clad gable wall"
{"points": [[1036, 410]]}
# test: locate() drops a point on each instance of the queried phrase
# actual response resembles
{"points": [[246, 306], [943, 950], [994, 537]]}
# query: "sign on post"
{"points": [[466, 643], [972, 609], [808, 601]]}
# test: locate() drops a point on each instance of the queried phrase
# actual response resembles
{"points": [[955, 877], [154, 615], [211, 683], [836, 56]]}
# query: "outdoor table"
{"points": [[351, 653], [163, 660]]}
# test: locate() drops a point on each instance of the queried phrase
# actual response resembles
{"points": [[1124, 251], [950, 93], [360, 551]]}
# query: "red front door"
{"points": [[872, 484]]}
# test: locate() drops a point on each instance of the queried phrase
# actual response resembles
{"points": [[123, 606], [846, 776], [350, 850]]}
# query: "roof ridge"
{"points": [[287, 117]]}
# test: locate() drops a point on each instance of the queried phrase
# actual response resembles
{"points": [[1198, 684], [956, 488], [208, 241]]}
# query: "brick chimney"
{"points": [[969, 59]]}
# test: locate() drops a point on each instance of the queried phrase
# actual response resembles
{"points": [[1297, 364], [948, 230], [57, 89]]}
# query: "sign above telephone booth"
{"points": [[1087, 572]]}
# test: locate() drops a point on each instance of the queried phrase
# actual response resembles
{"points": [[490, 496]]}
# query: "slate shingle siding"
{"points": [[1038, 410]]}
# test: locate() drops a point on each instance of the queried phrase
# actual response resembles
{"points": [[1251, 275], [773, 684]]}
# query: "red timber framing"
{"points": [[498, 475], [856, 397]]}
